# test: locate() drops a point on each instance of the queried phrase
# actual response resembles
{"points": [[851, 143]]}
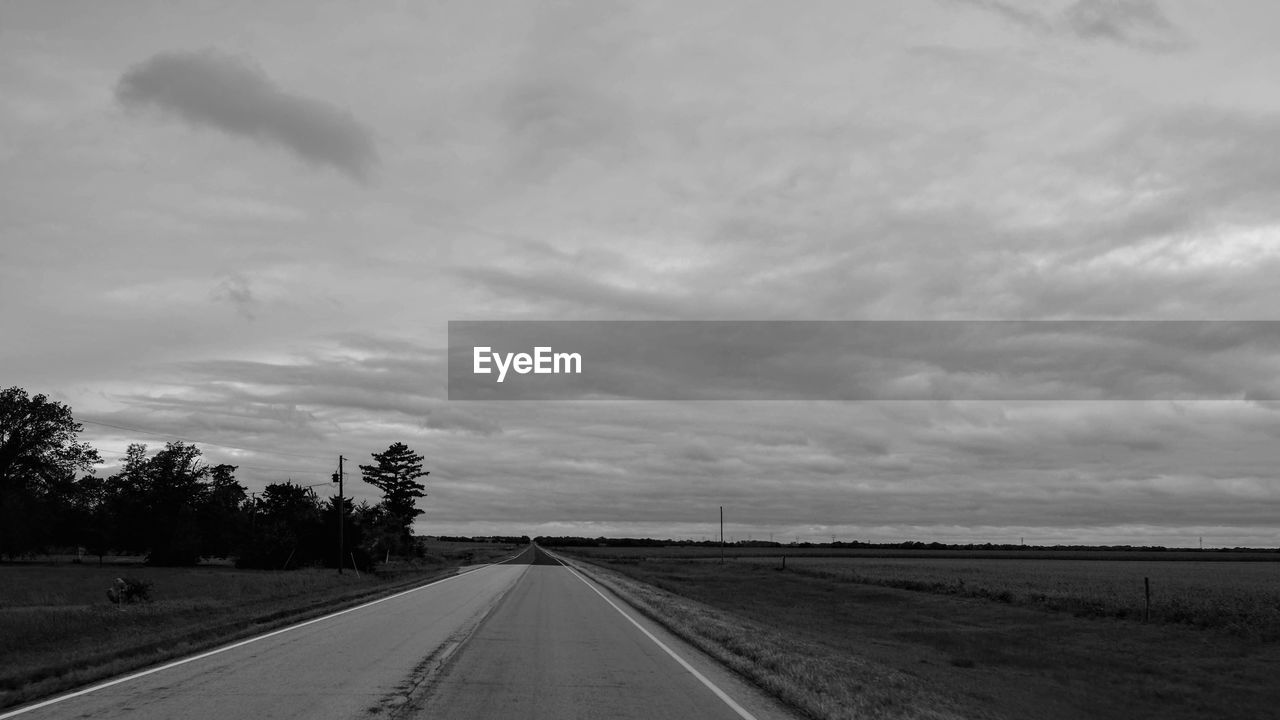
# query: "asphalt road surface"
{"points": [[525, 639]]}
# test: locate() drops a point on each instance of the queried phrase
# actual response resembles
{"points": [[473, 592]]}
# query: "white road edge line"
{"points": [[742, 712], [225, 648]]}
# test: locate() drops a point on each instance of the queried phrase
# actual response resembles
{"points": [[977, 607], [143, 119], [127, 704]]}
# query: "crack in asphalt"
{"points": [[411, 695]]}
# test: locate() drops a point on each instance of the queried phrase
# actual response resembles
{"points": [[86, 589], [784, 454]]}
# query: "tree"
{"points": [[39, 454], [223, 519], [176, 492], [353, 532], [91, 517], [395, 474], [125, 502], [171, 506], [288, 531]]}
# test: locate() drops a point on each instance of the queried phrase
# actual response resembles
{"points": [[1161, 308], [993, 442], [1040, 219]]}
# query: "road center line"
{"points": [[225, 648], [742, 712]]}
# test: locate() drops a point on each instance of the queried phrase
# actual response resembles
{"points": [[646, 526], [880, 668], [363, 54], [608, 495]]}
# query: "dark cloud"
{"points": [[213, 89], [441, 416], [1011, 12], [1139, 23], [1134, 23]]}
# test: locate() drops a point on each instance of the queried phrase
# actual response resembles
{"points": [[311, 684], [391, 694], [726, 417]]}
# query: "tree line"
{"points": [[175, 509]]}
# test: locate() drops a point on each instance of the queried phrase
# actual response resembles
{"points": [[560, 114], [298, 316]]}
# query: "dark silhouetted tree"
{"points": [[171, 506], [177, 491], [396, 474], [125, 502], [288, 530], [91, 522], [355, 542], [223, 520], [39, 456]]}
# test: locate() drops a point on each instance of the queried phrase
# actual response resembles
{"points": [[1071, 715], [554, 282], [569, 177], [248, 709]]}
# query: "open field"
{"points": [[1235, 592], [58, 629], [994, 656], [732, 551]]}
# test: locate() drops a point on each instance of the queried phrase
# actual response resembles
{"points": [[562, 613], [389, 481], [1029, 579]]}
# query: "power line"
{"points": [[202, 442]]}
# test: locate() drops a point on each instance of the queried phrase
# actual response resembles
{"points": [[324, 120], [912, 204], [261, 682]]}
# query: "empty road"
{"points": [[525, 639]]}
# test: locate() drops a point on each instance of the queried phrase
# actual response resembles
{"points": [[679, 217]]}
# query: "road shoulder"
{"points": [[755, 700]]}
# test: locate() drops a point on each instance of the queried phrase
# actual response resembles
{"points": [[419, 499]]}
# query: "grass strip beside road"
{"points": [[816, 680]]}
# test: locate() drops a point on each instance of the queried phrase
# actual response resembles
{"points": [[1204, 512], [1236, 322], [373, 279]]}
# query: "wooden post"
{"points": [[784, 562], [341, 515], [1146, 611]]}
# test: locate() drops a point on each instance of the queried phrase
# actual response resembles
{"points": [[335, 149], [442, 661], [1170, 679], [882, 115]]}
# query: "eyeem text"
{"points": [[542, 362]]}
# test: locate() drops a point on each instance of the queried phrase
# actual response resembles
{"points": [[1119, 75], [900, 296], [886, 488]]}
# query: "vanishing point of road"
{"points": [[529, 638]]}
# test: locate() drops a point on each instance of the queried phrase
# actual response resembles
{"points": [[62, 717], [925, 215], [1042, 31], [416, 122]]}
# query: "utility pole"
{"points": [[337, 477], [721, 533]]}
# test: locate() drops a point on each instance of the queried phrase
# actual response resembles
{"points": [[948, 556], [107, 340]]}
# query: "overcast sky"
{"points": [[248, 224]]}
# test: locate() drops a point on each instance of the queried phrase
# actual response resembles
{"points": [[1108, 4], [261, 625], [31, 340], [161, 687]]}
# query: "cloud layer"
{"points": [[719, 160], [872, 360], [221, 91]]}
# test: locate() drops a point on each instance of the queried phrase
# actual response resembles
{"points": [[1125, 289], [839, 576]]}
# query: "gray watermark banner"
{"points": [[865, 360]]}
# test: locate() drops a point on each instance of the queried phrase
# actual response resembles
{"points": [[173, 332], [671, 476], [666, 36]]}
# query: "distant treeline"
{"points": [[497, 539], [175, 509], [575, 541]]}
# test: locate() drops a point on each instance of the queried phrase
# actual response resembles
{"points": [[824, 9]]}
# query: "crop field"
{"points": [[59, 629], [1241, 596]]}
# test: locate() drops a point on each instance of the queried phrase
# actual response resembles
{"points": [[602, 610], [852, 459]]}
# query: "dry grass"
{"points": [[815, 680], [986, 658]]}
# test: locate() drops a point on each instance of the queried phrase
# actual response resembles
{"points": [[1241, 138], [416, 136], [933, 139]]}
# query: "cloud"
{"points": [[1019, 16], [568, 292], [235, 289], [1136, 23], [567, 101], [1139, 23], [213, 89]]}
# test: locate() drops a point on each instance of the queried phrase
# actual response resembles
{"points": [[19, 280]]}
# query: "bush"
{"points": [[129, 590]]}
